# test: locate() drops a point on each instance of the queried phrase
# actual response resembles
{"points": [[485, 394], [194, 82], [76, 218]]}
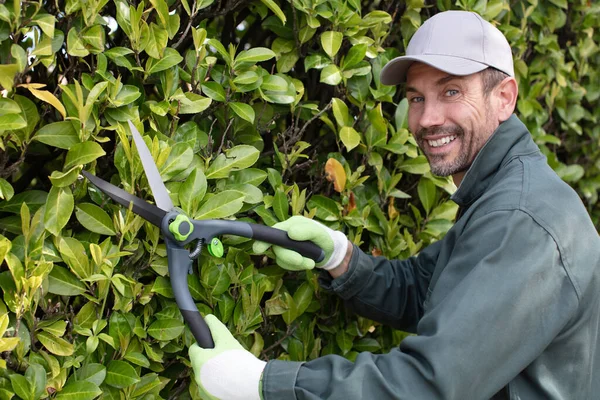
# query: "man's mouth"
{"points": [[441, 142]]}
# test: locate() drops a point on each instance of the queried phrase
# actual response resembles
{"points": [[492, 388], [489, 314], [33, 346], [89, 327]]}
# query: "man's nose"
{"points": [[433, 115]]}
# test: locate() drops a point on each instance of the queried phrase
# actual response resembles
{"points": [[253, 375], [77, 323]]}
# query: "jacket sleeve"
{"points": [[509, 297], [388, 291]]}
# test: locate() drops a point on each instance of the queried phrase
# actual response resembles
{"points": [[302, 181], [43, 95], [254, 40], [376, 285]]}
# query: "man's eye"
{"points": [[451, 92], [417, 99]]}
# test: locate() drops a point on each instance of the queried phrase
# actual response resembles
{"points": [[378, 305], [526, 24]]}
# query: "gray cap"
{"points": [[456, 42]]}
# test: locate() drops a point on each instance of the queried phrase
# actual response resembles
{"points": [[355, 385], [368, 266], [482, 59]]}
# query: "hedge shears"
{"points": [[179, 230]]}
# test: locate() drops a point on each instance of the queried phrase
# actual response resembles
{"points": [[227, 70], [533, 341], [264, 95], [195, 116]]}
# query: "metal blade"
{"points": [[159, 190], [149, 212]]}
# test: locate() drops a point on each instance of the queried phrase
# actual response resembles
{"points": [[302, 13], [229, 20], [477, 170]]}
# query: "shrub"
{"points": [[253, 110]]}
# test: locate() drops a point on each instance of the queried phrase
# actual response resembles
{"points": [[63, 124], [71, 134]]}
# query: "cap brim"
{"points": [[394, 72]]}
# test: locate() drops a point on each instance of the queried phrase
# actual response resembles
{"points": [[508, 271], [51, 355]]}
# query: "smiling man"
{"points": [[505, 306]]}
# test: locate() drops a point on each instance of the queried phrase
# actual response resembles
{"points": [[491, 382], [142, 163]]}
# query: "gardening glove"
{"points": [[333, 243], [228, 371]]}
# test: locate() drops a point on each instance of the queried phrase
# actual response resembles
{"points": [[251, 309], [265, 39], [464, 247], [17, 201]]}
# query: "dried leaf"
{"points": [[334, 172]]}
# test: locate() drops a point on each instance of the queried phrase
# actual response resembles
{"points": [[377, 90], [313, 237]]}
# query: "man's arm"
{"points": [[505, 307]]}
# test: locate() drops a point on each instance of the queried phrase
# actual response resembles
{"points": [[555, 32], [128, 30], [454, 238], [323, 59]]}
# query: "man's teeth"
{"points": [[441, 142]]}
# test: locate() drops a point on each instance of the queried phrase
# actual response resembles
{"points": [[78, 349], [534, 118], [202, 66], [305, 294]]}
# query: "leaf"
{"points": [[341, 113], [244, 111], [194, 104], [59, 206], [7, 75], [221, 205], [166, 329], [55, 345], [334, 172], [94, 218], [179, 159], [34, 199], [74, 254], [46, 23], [49, 98], [64, 283], [6, 190], [331, 75], [355, 55], [21, 386], [58, 134], [215, 278], [93, 373], [36, 375], [276, 10], [254, 55], [9, 122], [83, 153], [120, 374], [427, 192], [401, 115], [170, 58], [192, 191], [281, 205], [331, 42], [79, 390], [327, 209], [303, 297], [214, 90], [349, 137], [344, 341]]}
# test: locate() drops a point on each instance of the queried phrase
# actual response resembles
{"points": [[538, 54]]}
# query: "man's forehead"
{"points": [[430, 76]]}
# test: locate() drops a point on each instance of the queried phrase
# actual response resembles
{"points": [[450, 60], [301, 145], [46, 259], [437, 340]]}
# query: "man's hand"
{"points": [[227, 372], [333, 243]]}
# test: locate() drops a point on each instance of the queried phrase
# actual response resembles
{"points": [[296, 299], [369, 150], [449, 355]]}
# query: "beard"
{"points": [[438, 165]]}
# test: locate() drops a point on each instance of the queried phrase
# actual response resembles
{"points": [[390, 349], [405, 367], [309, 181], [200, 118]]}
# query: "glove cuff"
{"points": [[340, 247]]}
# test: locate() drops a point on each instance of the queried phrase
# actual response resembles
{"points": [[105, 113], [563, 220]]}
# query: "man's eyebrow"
{"points": [[448, 78], [410, 89]]}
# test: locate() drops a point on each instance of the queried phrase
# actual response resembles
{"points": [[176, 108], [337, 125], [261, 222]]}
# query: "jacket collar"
{"points": [[511, 139]]}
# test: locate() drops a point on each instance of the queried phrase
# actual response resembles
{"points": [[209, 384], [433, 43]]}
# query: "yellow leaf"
{"points": [[334, 172], [33, 85], [8, 344], [48, 97]]}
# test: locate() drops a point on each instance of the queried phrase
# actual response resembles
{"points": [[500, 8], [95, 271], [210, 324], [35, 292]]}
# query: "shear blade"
{"points": [[159, 190], [144, 209]]}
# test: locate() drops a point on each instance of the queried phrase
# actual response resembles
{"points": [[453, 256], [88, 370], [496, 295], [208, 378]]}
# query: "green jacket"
{"points": [[506, 306]]}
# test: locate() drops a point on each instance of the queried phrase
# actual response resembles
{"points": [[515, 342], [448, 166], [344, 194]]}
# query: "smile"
{"points": [[441, 142]]}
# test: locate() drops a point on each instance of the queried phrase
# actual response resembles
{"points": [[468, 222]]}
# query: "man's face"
{"points": [[449, 116]]}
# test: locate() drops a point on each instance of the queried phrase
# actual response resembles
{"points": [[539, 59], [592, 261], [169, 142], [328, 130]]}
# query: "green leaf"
{"points": [[560, 3], [341, 113], [64, 283], [192, 191], [179, 159], [303, 297], [74, 254], [274, 83], [427, 192], [355, 55], [194, 103], [221, 50], [331, 42], [21, 386], [215, 278], [254, 55], [244, 111], [276, 10], [170, 59], [331, 75], [58, 134], [214, 90], [79, 390], [75, 45], [46, 23], [36, 375], [401, 115], [344, 341], [94, 39], [62, 179], [349, 137], [121, 374], [281, 205], [59, 206], [166, 329], [55, 345], [94, 219], [83, 153], [221, 205], [6, 190], [327, 209], [10, 122]]}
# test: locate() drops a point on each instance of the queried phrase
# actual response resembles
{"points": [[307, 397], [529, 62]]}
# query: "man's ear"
{"points": [[506, 94]]}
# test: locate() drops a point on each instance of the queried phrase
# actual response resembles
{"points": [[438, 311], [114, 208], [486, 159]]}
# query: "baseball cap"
{"points": [[456, 42]]}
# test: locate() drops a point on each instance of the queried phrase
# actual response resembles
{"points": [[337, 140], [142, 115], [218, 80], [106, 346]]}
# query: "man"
{"points": [[506, 306]]}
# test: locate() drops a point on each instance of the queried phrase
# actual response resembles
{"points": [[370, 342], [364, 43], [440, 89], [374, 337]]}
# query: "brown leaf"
{"points": [[392, 212], [351, 202], [376, 252], [334, 172]]}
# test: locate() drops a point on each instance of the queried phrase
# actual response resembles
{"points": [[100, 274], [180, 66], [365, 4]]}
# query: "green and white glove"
{"points": [[228, 371], [333, 243]]}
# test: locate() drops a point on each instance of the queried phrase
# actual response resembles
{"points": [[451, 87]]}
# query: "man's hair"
{"points": [[491, 77]]}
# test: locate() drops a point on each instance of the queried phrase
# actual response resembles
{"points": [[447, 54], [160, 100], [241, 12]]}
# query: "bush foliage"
{"points": [[253, 110]]}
